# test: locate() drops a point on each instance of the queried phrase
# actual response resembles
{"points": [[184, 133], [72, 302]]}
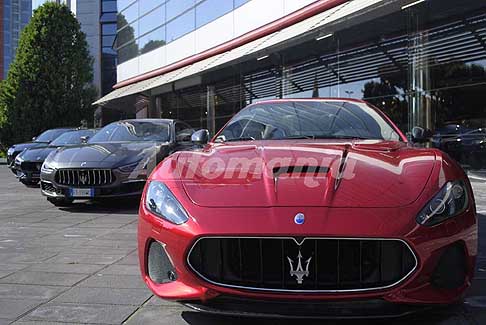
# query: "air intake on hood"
{"points": [[299, 170]]}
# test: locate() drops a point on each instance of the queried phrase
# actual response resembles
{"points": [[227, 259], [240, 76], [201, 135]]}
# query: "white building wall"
{"points": [[246, 18]]}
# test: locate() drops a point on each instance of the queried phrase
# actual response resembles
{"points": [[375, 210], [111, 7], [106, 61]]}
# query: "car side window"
{"points": [[183, 132]]}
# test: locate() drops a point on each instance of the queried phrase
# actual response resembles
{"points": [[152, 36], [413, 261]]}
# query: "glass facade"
{"points": [[145, 25], [108, 24], [423, 66], [16, 14]]}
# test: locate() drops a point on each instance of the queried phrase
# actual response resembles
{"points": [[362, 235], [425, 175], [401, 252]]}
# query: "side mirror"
{"points": [[84, 139], [200, 137], [420, 135]]}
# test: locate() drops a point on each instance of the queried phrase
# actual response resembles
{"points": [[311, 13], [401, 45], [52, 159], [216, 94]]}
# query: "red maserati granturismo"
{"points": [[308, 208]]}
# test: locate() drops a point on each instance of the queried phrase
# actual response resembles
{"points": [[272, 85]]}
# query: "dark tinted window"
{"points": [[313, 119], [133, 131], [73, 137], [50, 135]]}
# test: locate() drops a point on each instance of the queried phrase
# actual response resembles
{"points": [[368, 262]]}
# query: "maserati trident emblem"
{"points": [[82, 178], [299, 271], [83, 163]]}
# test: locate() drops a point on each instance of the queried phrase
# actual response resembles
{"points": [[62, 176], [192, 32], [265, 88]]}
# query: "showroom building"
{"points": [[422, 62]]}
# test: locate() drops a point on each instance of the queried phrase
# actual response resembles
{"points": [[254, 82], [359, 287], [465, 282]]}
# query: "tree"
{"points": [[49, 83], [152, 45]]}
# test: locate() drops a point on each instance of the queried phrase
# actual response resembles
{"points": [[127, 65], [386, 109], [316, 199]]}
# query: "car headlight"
{"points": [[161, 202], [10, 151], [46, 168], [139, 165], [451, 201], [19, 159]]}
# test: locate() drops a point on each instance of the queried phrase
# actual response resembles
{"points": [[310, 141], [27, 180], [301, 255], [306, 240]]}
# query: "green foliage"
{"points": [[49, 83]]}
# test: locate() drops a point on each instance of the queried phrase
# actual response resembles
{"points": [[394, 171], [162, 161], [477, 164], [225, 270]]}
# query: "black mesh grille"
{"points": [[332, 264], [31, 166], [85, 177]]}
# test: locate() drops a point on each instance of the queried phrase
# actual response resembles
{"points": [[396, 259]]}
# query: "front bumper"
{"points": [[428, 244], [124, 185]]}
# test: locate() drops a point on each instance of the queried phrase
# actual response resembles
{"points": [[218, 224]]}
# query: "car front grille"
{"points": [[84, 177], [31, 166], [302, 264]]}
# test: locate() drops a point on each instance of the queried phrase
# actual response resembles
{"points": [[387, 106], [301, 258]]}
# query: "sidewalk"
{"points": [[3, 161]]}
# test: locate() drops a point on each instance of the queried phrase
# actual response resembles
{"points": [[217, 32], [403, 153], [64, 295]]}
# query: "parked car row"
{"points": [[115, 161], [296, 208]]}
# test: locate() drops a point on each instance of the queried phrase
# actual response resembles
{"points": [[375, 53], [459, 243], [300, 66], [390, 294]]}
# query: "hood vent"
{"points": [[299, 170]]}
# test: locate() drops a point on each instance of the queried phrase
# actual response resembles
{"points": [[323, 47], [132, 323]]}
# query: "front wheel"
{"points": [[60, 202]]}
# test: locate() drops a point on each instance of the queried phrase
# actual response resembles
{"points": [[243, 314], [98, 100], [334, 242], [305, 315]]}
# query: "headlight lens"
{"points": [[451, 200], [161, 202], [10, 151], [18, 159], [46, 168]]}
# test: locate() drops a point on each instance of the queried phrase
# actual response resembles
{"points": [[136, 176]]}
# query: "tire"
{"points": [[60, 202]]}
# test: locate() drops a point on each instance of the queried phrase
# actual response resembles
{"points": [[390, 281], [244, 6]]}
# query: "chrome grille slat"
{"points": [[338, 264], [84, 177]]}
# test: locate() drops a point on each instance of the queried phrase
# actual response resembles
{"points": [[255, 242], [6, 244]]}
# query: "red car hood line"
{"points": [[375, 175]]}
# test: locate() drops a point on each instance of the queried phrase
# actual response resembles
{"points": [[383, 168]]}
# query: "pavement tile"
{"points": [[156, 315], [77, 313], [156, 301], [13, 308], [66, 268], [112, 296], [85, 259], [117, 269], [44, 278], [114, 281], [35, 292]]}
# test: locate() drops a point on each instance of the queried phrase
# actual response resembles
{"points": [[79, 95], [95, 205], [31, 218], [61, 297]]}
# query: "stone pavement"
{"points": [[79, 265]]}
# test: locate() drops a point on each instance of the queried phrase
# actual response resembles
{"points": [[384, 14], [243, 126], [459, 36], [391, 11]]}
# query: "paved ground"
{"points": [[79, 265]]}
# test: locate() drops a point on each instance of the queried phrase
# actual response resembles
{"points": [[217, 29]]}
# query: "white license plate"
{"points": [[81, 192]]}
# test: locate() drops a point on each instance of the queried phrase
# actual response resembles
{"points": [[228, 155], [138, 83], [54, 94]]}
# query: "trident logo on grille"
{"points": [[299, 272], [83, 178]]}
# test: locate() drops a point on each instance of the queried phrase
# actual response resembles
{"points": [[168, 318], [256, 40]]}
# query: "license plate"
{"points": [[81, 192]]}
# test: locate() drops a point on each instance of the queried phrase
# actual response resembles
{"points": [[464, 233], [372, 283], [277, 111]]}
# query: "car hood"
{"points": [[104, 155], [273, 173], [37, 154], [27, 145]]}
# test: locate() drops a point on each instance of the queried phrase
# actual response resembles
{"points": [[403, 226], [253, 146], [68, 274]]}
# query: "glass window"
{"points": [[127, 34], [108, 41], [147, 5], [131, 13], [152, 40], [51, 135], [181, 26], [309, 119], [238, 3], [209, 10], [132, 131], [152, 20], [127, 52], [177, 7], [108, 29], [109, 6], [122, 4], [73, 137]]}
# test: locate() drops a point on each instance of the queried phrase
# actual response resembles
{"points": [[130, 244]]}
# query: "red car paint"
{"points": [[392, 182]]}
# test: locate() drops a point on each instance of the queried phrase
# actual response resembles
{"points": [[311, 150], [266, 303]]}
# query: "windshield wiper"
{"points": [[293, 137], [344, 137], [240, 139]]}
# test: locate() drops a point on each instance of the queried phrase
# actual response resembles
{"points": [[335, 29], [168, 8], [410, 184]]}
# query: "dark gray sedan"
{"points": [[114, 163]]}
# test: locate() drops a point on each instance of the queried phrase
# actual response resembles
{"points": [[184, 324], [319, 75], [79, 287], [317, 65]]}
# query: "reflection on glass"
{"points": [[152, 20], [177, 7], [130, 13], [152, 40], [210, 10], [147, 5], [181, 26], [122, 4]]}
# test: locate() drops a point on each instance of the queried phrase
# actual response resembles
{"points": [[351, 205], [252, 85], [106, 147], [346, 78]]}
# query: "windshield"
{"points": [[308, 119], [73, 137], [133, 131], [50, 135]]}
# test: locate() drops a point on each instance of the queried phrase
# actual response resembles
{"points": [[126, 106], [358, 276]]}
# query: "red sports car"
{"points": [[308, 208]]}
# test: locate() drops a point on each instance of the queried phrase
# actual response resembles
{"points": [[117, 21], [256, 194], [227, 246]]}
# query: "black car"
{"points": [[28, 163], [115, 162], [44, 138]]}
